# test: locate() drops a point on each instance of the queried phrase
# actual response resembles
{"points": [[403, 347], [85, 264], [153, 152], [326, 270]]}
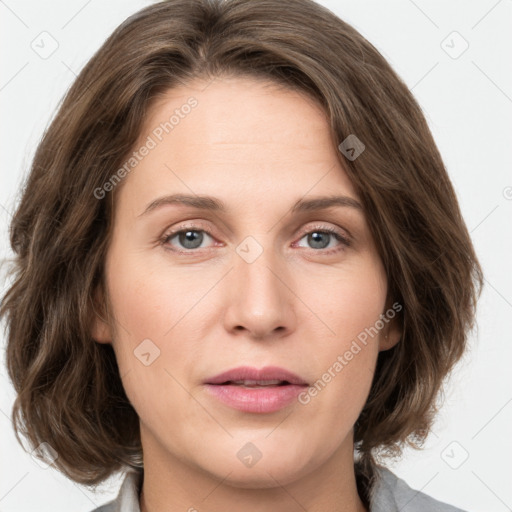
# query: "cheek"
{"points": [[152, 308], [347, 299], [150, 298], [350, 304]]}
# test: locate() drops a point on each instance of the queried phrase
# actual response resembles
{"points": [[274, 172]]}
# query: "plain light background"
{"points": [[466, 95]]}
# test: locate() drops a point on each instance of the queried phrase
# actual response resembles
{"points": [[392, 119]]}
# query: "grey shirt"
{"points": [[389, 494]]}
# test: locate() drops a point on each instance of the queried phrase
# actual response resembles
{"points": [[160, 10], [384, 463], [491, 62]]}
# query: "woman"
{"points": [[242, 273]]}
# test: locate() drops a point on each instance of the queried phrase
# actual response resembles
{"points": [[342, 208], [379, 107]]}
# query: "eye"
{"points": [[189, 239], [322, 238]]}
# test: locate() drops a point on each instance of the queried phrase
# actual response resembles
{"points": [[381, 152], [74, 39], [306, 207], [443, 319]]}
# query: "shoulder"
{"points": [[128, 497], [392, 494]]}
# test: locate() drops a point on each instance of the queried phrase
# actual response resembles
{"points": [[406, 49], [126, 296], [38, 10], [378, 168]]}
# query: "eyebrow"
{"points": [[210, 203]]}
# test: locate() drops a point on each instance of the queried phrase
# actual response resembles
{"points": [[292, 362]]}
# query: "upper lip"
{"points": [[251, 373]]}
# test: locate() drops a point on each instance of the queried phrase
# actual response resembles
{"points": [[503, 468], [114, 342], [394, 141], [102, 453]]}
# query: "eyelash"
{"points": [[315, 229]]}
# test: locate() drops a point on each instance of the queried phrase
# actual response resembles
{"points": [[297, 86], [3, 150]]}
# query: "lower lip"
{"points": [[259, 400]]}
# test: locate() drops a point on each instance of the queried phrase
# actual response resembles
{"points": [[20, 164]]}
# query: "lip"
{"points": [[249, 372], [267, 399]]}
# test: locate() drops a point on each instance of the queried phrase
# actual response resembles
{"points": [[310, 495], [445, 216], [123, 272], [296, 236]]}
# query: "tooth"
{"points": [[251, 382]]}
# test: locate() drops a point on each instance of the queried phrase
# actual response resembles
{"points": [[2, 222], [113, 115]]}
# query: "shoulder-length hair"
{"points": [[69, 392]]}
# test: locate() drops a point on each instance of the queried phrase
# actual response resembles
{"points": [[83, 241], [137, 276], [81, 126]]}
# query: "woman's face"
{"points": [[260, 282]]}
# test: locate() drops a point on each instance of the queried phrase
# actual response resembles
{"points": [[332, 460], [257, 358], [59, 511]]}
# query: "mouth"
{"points": [[248, 376], [256, 391], [255, 383]]}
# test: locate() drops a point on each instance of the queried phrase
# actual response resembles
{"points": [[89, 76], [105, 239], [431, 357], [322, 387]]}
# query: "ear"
{"points": [[392, 332], [100, 328]]}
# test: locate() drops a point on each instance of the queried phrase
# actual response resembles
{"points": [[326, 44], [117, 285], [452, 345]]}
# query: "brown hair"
{"points": [[69, 393]]}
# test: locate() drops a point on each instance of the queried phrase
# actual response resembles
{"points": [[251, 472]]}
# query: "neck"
{"points": [[171, 484]]}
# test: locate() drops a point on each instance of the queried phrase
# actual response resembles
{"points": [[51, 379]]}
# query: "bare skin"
{"points": [[299, 305]]}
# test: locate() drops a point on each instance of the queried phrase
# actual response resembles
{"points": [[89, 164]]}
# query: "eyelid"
{"points": [[342, 233], [192, 226]]}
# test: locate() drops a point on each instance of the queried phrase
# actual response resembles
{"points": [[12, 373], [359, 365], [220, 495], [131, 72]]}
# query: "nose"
{"points": [[259, 298]]}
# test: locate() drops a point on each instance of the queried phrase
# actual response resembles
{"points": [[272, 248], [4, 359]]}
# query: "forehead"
{"points": [[243, 103], [238, 137]]}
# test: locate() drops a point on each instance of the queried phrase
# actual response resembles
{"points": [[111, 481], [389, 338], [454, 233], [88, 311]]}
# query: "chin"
{"points": [[262, 478], [269, 471]]}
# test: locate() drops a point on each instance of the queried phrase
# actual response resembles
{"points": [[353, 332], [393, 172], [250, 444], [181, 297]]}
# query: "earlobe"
{"points": [[100, 328], [391, 334], [390, 337]]}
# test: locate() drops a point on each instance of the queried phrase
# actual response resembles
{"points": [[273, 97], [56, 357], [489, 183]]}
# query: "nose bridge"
{"points": [[259, 300]]}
